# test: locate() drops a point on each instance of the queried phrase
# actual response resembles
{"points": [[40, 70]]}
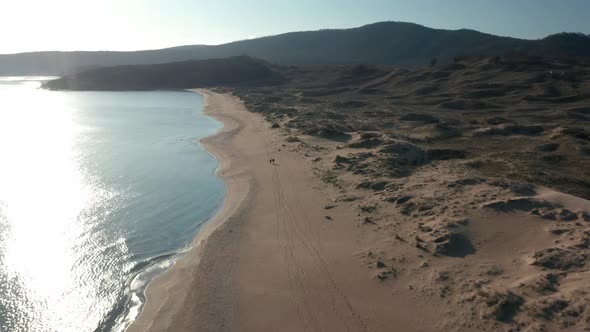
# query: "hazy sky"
{"points": [[33, 25]]}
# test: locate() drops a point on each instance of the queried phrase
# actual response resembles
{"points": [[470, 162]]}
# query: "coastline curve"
{"points": [[169, 291]]}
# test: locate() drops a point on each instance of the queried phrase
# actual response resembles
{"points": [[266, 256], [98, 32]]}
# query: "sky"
{"points": [[66, 25]]}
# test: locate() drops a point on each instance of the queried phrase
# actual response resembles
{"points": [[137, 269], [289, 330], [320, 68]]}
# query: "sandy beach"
{"points": [[271, 260], [294, 249]]}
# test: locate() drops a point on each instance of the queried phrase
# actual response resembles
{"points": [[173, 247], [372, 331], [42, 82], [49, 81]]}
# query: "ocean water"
{"points": [[99, 191]]}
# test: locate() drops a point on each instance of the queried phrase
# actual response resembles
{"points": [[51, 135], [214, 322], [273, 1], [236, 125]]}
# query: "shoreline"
{"points": [[276, 245], [237, 187], [293, 249]]}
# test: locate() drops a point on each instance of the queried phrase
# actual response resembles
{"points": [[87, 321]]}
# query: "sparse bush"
{"points": [[293, 139]]}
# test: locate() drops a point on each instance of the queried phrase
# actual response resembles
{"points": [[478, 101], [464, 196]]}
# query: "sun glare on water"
{"points": [[42, 199]]}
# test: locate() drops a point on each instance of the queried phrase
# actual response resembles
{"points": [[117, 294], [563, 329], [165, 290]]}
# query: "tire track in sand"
{"points": [[294, 237]]}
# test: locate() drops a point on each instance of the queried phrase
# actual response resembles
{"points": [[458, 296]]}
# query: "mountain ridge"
{"points": [[386, 43]]}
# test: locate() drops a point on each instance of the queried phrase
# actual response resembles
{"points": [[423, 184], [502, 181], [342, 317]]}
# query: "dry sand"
{"points": [[298, 248]]}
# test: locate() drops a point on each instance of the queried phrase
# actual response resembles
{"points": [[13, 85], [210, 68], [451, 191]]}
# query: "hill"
{"points": [[388, 43], [234, 71]]}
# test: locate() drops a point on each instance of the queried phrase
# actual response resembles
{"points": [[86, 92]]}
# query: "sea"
{"points": [[99, 193]]}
